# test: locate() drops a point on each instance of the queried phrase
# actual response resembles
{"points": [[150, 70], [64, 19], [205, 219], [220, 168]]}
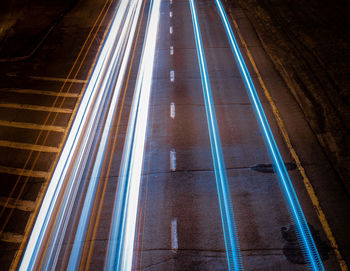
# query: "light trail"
{"points": [[132, 21], [75, 152], [303, 232], [123, 226], [227, 216]]}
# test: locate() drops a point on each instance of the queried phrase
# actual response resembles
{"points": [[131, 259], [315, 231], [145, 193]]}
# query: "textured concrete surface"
{"points": [[187, 195], [308, 43]]}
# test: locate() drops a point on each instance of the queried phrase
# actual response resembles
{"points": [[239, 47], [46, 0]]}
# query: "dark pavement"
{"points": [[179, 224]]}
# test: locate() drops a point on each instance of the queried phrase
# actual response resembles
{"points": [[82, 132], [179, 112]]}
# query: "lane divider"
{"points": [[227, 216], [303, 232]]}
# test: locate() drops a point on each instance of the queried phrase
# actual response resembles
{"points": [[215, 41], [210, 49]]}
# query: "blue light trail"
{"points": [[227, 216], [304, 235]]}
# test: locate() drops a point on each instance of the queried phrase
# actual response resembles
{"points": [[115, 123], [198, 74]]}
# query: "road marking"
{"points": [[36, 108], [58, 79], [48, 78], [172, 160], [33, 126], [171, 14], [171, 50], [172, 76], [27, 146], [171, 2], [24, 172], [40, 92], [23, 205], [10, 237], [174, 240], [171, 30], [307, 183], [172, 110]]}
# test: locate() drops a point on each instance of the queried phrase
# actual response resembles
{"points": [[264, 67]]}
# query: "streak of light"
{"points": [[90, 195], [77, 141], [304, 234], [227, 216], [122, 235]]}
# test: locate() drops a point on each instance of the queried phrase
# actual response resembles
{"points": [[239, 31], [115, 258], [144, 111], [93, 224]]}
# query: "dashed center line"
{"points": [[171, 30], [171, 14], [174, 239], [172, 160], [172, 110], [171, 50], [172, 76]]}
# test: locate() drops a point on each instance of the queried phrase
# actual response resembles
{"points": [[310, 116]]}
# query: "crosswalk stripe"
{"points": [[27, 146], [23, 205], [36, 108], [11, 237], [40, 92], [24, 172], [35, 126]]}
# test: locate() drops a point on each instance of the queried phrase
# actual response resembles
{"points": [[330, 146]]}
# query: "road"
{"points": [[142, 175]]}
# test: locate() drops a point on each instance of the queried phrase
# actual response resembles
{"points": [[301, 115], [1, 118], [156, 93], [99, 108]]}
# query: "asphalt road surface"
{"points": [[169, 217]]}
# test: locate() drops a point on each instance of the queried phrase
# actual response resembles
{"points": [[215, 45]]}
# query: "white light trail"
{"points": [[78, 143], [122, 236], [90, 194]]}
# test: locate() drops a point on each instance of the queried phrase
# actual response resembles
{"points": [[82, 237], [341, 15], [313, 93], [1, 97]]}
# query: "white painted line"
{"points": [[10, 237], [48, 78], [36, 108], [172, 110], [24, 172], [172, 76], [41, 92], [171, 50], [23, 205], [174, 240], [171, 30], [171, 2], [172, 160], [171, 14]]}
